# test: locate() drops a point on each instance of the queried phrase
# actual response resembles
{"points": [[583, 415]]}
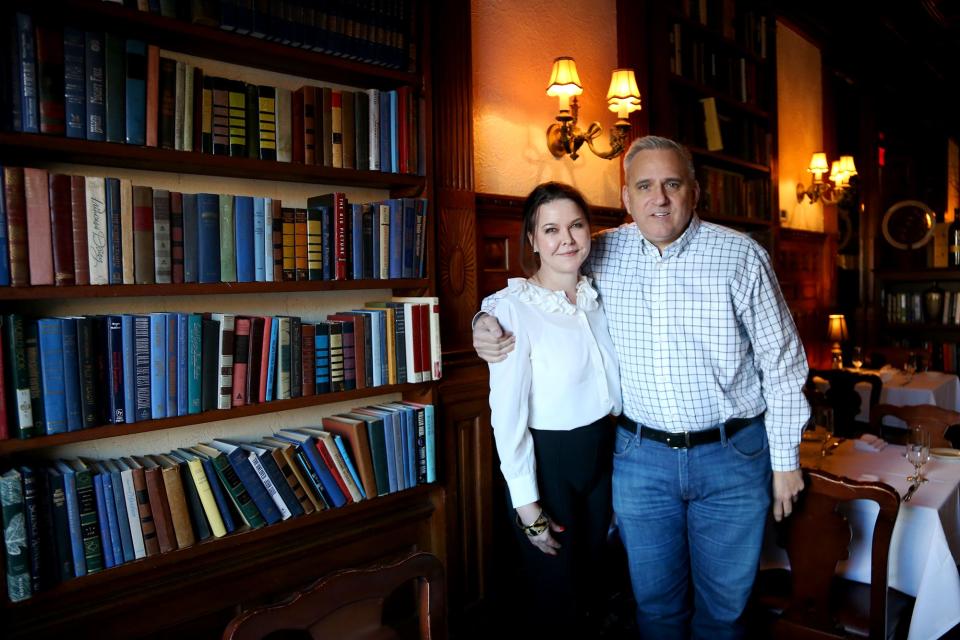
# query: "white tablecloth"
{"points": [[928, 387], [925, 546]]}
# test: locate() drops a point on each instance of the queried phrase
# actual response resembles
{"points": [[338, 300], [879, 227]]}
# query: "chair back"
{"points": [[842, 396], [929, 417], [349, 605], [817, 538]]}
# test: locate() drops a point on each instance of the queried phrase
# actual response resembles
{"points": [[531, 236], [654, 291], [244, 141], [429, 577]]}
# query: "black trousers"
{"points": [[564, 592]]}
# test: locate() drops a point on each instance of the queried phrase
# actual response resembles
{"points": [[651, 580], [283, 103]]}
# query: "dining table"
{"points": [[925, 546], [904, 389]]}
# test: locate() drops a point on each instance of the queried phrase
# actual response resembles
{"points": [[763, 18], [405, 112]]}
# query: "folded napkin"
{"points": [[887, 373], [870, 443]]}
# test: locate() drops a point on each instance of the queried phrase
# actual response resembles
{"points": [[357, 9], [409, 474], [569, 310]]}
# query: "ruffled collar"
{"points": [[555, 301]]}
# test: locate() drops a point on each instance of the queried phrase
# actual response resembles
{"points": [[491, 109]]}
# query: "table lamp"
{"points": [[837, 333]]}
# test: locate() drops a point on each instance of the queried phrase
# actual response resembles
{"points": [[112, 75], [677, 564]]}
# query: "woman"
{"points": [[549, 402]]}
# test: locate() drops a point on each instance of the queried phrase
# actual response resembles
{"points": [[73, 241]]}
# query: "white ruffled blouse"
{"points": [[562, 374]]}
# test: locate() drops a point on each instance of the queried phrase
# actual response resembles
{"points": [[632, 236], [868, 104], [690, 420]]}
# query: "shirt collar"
{"points": [[675, 247]]}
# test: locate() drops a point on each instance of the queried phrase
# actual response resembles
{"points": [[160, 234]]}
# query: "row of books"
{"points": [[710, 124], [903, 307], [59, 229], [68, 374], [96, 86], [743, 25], [376, 32], [728, 193], [716, 67], [75, 517]]}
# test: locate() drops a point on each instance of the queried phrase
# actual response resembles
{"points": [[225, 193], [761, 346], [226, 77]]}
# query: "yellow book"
{"points": [[206, 496], [711, 124]]}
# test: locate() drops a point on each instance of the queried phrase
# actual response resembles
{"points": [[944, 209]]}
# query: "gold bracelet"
{"points": [[536, 527]]}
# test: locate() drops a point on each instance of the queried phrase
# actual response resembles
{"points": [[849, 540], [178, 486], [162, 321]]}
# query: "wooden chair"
{"points": [[928, 417], [843, 398], [809, 600], [348, 605]]}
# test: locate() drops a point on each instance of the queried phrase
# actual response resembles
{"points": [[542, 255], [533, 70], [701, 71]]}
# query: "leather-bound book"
{"points": [[40, 247], [159, 505], [153, 95], [143, 235], [167, 87], [61, 229], [50, 80], [177, 499], [16, 205], [78, 208]]}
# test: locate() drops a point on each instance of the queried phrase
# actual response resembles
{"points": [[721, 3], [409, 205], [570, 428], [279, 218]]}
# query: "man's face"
{"points": [[660, 195]]}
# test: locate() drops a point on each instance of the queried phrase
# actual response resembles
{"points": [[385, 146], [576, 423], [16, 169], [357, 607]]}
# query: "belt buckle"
{"points": [[679, 440]]}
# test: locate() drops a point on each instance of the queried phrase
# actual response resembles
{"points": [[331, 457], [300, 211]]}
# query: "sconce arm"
{"points": [[618, 138]]}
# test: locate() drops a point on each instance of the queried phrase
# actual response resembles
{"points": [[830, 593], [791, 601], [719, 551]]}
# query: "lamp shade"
{"points": [[837, 176], [623, 96], [837, 328], [847, 166], [818, 164], [564, 80]]}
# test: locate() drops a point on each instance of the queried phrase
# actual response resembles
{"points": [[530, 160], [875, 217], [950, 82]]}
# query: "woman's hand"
{"points": [[538, 526]]}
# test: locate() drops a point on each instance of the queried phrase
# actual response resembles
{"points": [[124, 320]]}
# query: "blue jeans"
{"points": [[692, 513]]}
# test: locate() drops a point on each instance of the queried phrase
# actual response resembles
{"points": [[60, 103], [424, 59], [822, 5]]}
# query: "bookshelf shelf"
{"points": [[31, 148], [708, 34], [8, 447], [727, 159], [142, 290], [918, 275], [211, 42], [705, 91]]}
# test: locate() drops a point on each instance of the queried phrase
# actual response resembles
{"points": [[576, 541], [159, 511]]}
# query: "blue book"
{"points": [[190, 241], [385, 164], [114, 79], [95, 74], [408, 455], [416, 452], [73, 517], [52, 390], [194, 362], [71, 374], [272, 359], [103, 521], [183, 363], [421, 249], [158, 365], [110, 503], [141, 363], [396, 237], [120, 505], [129, 370], [216, 487], [409, 237], [375, 222], [309, 444], [357, 255], [136, 92], [74, 83], [347, 461], [114, 234], [259, 246], [171, 364], [244, 238], [116, 400], [27, 68], [4, 247], [208, 237], [248, 477], [394, 142], [425, 438], [321, 342], [276, 478], [12, 118]]}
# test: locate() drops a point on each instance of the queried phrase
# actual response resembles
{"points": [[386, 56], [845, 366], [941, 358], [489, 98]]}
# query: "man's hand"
{"points": [[787, 486], [490, 340]]}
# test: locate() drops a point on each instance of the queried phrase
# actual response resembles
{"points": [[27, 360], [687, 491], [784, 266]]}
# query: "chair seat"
{"points": [[852, 612]]}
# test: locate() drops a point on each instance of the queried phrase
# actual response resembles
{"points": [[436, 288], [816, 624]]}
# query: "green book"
{"points": [[194, 362], [20, 410], [231, 481], [228, 248], [15, 536], [89, 524]]}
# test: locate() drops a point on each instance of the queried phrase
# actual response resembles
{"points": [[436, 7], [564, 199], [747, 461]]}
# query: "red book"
{"points": [[308, 358], [255, 353], [241, 355], [422, 317], [61, 229], [78, 207], [276, 215], [265, 356], [153, 93], [40, 248], [176, 236], [403, 99], [15, 196], [334, 471], [143, 235], [50, 88]]}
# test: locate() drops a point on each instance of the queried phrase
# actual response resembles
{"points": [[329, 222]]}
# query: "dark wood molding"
{"points": [[806, 264]]}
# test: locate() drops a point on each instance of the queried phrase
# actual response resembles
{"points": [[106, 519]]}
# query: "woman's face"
{"points": [[561, 237]]}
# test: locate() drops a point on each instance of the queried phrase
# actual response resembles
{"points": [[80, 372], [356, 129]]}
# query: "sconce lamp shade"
{"points": [[836, 174], [837, 328], [623, 96], [847, 166], [818, 165], [564, 80]]}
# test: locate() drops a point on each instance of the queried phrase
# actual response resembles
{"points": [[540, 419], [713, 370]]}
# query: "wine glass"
{"points": [[910, 366], [856, 358], [825, 420], [918, 453]]}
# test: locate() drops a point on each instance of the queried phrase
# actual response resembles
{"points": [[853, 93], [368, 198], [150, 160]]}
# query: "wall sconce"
{"points": [[837, 333], [840, 173], [565, 137]]}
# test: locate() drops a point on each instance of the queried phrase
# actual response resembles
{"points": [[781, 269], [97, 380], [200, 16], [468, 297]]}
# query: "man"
{"points": [[712, 371]]}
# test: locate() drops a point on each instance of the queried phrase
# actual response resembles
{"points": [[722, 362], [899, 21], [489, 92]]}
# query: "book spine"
{"points": [[308, 359], [167, 90], [78, 218], [194, 363], [314, 243], [152, 97], [27, 72], [283, 359], [190, 238], [296, 358], [270, 387], [322, 357], [61, 229], [340, 239], [87, 372], [208, 238], [244, 238], [71, 374], [160, 508], [254, 486], [39, 241], [103, 522], [50, 341], [96, 76], [275, 239], [238, 492], [241, 350], [14, 194], [227, 240], [133, 514], [252, 121], [20, 410], [181, 364], [163, 270], [236, 101], [148, 528], [158, 365], [336, 128], [180, 76], [143, 236], [17, 552], [115, 376], [269, 486], [259, 242], [74, 86], [283, 120], [50, 79], [142, 367], [300, 244], [176, 238], [136, 92], [115, 75], [114, 231], [213, 481], [205, 494]]}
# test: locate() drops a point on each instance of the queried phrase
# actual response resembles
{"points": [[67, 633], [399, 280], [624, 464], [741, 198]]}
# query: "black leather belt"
{"points": [[685, 439]]}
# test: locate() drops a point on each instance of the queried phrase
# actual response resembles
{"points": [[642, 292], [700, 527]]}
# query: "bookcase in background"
{"points": [[712, 87], [195, 590]]}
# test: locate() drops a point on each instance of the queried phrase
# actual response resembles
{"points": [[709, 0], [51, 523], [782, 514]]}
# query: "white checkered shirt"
{"points": [[702, 333]]}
